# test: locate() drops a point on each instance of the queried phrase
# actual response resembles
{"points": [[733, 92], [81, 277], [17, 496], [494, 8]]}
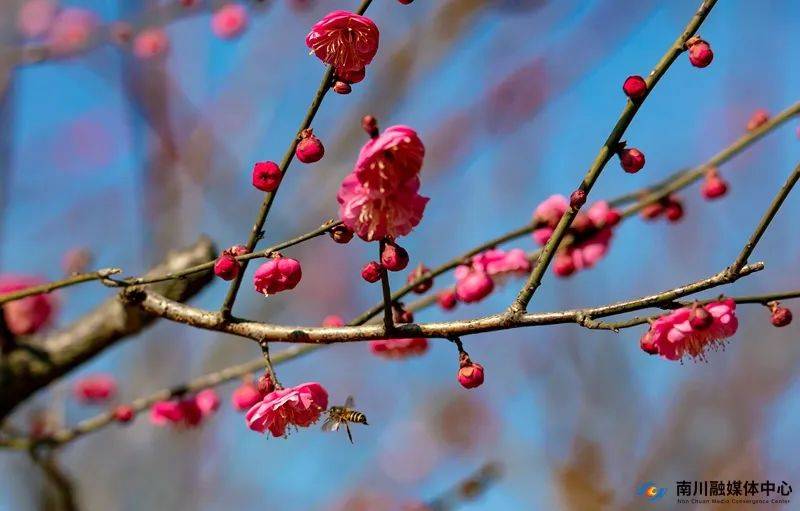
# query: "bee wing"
{"points": [[330, 425], [350, 403]]}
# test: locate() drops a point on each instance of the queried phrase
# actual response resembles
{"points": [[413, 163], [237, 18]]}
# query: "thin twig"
{"points": [[257, 232], [520, 304], [766, 219], [58, 284], [388, 321]]}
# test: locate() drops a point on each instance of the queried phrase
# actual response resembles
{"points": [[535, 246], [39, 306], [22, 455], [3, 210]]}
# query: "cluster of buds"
{"points": [[670, 207], [393, 258]]}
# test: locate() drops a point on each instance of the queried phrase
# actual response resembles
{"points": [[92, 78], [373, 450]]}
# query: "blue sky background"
{"points": [[513, 99]]}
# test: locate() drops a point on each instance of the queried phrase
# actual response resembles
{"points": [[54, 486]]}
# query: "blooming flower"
{"points": [[30, 314], [295, 406], [95, 388], [390, 159], [345, 40], [276, 275], [374, 215], [399, 348], [672, 336]]}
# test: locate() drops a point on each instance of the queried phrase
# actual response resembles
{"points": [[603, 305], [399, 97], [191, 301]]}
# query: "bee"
{"points": [[338, 415]]}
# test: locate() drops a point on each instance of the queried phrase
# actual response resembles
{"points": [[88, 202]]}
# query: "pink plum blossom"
{"points": [[295, 406], [345, 40], [672, 335], [390, 159], [276, 275], [374, 215]]}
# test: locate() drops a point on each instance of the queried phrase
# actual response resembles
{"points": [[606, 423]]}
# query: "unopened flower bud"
{"points": [[371, 272], [631, 160], [781, 316], [394, 257], [370, 125], [266, 176], [341, 234], [309, 149], [418, 272], [341, 87], [635, 87], [577, 198], [265, 385], [123, 414], [227, 267], [700, 54], [470, 374], [447, 299], [714, 186]]}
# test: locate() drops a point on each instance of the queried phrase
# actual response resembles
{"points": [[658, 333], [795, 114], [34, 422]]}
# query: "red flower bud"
{"points": [[631, 160], [781, 316], [635, 87], [370, 125], [447, 299], [647, 345], [700, 54], [123, 414], [266, 176], [673, 210], [394, 257], [713, 186], [350, 77], [227, 267], [470, 374], [652, 211], [577, 198], [758, 118], [401, 315], [341, 87], [405, 2], [341, 234], [416, 273], [371, 272], [309, 149], [333, 320]]}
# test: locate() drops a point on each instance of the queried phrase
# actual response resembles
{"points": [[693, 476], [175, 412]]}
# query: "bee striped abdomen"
{"points": [[354, 416]]}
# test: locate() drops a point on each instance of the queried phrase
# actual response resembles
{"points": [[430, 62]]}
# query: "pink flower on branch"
{"points": [[679, 333], [390, 159], [187, 411], [374, 215], [345, 40], [276, 275], [299, 406]]}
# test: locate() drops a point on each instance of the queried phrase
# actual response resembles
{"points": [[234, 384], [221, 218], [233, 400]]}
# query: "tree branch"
{"points": [[256, 232], [37, 361], [520, 304]]}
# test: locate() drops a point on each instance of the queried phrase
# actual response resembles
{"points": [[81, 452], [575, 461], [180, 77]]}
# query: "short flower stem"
{"points": [[388, 320]]}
